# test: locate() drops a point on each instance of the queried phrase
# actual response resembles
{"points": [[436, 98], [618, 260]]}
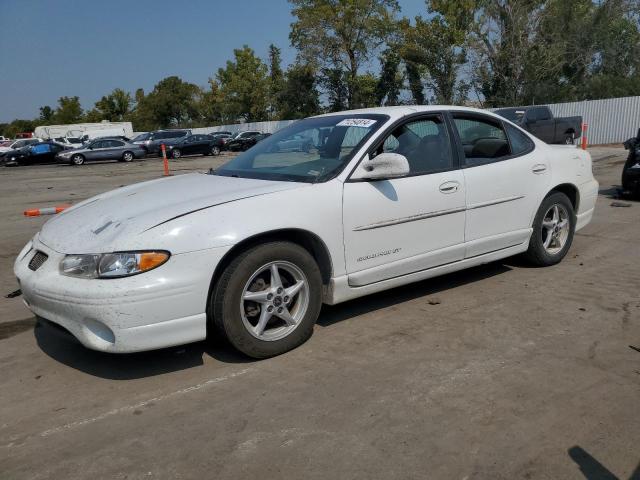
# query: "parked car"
{"points": [[88, 138], [242, 141], [540, 122], [194, 144], [251, 250], [103, 149], [36, 153], [19, 143], [151, 141], [631, 169], [221, 132], [224, 137]]}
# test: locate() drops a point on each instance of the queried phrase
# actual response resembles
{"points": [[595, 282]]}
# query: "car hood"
{"points": [[106, 222]]}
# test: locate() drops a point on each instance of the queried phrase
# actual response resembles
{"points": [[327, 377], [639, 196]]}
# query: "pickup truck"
{"points": [[541, 123]]}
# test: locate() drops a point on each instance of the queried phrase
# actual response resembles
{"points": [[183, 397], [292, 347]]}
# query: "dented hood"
{"points": [[105, 222]]}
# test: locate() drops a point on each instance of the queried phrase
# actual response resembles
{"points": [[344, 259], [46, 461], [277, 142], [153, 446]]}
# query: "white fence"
{"points": [[610, 121]]}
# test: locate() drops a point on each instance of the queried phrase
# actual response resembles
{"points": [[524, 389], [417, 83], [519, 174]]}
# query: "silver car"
{"points": [[102, 149]]}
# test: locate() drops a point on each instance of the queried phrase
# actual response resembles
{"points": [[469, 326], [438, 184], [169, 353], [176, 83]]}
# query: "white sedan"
{"points": [[383, 197]]}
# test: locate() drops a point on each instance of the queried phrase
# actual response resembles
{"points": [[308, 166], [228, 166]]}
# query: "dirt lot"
{"points": [[502, 371]]}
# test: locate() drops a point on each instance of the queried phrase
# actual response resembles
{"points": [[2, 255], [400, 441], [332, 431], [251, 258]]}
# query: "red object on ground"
{"points": [[584, 135], [164, 159], [36, 212]]}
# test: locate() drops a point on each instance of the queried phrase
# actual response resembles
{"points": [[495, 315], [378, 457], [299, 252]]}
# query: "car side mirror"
{"points": [[382, 167]]}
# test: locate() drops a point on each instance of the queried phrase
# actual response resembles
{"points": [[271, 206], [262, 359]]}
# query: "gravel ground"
{"points": [[499, 372]]}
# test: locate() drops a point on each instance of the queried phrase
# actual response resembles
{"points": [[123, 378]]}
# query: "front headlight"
{"points": [[112, 265]]}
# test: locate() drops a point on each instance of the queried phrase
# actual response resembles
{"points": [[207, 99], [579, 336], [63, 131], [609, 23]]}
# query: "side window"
{"points": [[116, 143], [424, 142], [98, 145], [483, 140], [520, 143], [542, 113]]}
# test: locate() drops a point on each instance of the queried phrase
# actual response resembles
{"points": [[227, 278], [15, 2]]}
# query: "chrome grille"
{"points": [[37, 260]]}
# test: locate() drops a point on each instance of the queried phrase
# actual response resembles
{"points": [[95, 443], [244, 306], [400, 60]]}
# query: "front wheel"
{"points": [[553, 230], [127, 157], [268, 299], [176, 153], [77, 160], [215, 150]]}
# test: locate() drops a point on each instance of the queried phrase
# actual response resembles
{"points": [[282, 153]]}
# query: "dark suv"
{"points": [[151, 141]]}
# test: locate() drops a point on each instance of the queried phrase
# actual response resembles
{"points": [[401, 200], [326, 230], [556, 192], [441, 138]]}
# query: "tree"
{"points": [[276, 81], [46, 114], [439, 44], [390, 82], [299, 97], [171, 103], [69, 110], [244, 87], [340, 36], [115, 106], [414, 77]]}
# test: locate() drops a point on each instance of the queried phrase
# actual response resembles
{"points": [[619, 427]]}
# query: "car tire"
{"points": [[553, 230], [569, 139], [77, 160], [176, 153], [127, 157], [215, 150], [250, 273]]}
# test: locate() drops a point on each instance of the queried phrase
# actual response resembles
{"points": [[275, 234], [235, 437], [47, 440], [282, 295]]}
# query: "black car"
{"points": [[152, 141], [541, 122], [43, 152], [631, 170], [244, 141], [193, 145]]}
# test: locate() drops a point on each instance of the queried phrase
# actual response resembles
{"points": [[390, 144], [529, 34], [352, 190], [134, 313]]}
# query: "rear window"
{"points": [[520, 143]]}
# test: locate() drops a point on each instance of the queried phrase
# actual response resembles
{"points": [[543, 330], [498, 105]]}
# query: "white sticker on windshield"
{"points": [[356, 122]]}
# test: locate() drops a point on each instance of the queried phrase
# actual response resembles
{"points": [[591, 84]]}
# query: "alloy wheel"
{"points": [[555, 229], [274, 301]]}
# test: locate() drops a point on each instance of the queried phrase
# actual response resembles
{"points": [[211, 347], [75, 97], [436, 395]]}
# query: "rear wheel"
{"points": [[215, 150], [553, 230], [569, 138], [267, 300], [127, 157], [77, 159]]}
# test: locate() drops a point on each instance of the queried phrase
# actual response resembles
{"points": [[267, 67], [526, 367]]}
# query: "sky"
{"points": [[54, 48]]}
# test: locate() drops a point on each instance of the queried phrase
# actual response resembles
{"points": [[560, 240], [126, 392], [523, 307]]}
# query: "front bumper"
{"points": [[160, 308]]}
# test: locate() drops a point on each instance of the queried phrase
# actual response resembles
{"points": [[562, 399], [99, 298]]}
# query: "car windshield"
{"points": [[311, 150], [512, 114], [142, 137]]}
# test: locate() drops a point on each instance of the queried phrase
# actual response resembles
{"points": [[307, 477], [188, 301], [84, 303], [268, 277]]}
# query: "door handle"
{"points": [[539, 168], [449, 187]]}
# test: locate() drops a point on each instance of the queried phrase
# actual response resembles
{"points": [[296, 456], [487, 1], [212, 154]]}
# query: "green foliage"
{"points": [[116, 106], [299, 97], [340, 36], [244, 87], [69, 110], [171, 103]]}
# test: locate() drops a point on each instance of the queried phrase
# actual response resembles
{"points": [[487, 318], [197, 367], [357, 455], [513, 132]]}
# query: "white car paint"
{"points": [[378, 235]]}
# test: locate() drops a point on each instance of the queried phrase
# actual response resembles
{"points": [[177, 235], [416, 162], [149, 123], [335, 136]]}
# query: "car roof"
{"points": [[400, 111]]}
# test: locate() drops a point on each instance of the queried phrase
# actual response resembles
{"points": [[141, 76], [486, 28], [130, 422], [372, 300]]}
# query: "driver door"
{"points": [[404, 225]]}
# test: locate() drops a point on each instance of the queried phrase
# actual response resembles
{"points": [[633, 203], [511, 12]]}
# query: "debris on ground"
{"points": [[434, 301], [620, 204], [15, 293]]}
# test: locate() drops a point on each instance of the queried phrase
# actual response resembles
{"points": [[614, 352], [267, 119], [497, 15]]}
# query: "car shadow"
{"points": [[60, 345], [332, 314]]}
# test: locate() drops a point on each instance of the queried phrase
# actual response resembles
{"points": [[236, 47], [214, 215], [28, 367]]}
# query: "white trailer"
{"points": [[78, 130]]}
